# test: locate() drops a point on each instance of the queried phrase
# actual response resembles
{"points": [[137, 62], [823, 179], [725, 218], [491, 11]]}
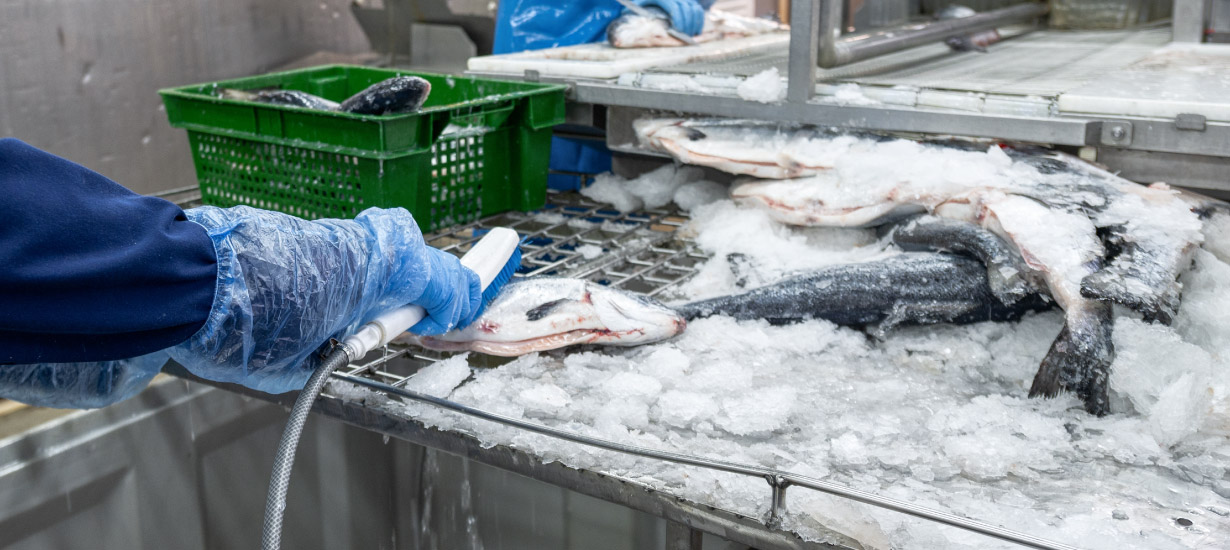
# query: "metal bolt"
{"points": [[1118, 132]]}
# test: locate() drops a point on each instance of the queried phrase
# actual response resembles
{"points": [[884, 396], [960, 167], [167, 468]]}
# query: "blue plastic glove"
{"points": [[286, 285], [685, 15], [448, 304]]}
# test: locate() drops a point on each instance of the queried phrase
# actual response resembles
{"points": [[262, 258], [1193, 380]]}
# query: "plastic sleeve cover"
{"points": [[79, 385], [286, 286]]}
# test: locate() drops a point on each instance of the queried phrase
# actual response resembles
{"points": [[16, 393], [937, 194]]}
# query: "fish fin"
{"points": [[1142, 275], [897, 316], [918, 314], [695, 310], [1079, 361], [742, 269], [1153, 305], [1008, 284]]}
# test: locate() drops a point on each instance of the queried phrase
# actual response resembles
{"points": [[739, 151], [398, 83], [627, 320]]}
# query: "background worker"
{"points": [[523, 25]]}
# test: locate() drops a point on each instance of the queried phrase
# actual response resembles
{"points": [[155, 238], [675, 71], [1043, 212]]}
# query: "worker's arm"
{"points": [[89, 270], [99, 285], [523, 25]]}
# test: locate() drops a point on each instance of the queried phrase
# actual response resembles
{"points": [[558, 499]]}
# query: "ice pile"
{"points": [[673, 82], [934, 415], [767, 86], [845, 94], [682, 184]]}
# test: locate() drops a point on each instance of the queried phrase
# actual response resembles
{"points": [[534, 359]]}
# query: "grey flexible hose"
{"points": [[279, 480]]}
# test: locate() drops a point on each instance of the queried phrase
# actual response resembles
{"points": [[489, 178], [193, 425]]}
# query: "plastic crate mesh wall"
{"points": [[306, 183], [456, 180]]}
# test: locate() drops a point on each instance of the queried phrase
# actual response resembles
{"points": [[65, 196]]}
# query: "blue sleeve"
{"points": [[92, 271], [523, 25]]}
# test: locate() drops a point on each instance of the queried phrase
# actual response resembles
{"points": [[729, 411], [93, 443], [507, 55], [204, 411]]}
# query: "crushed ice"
{"points": [[683, 185], [934, 415], [767, 86]]}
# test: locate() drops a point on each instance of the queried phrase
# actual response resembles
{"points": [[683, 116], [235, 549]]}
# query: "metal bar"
{"points": [[777, 500], [858, 48], [1152, 134], [682, 537], [801, 68], [1057, 130], [830, 31], [1188, 21], [834, 489]]}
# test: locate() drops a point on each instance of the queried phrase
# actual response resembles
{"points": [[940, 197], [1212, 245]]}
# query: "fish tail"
{"points": [[1079, 360], [1154, 305]]}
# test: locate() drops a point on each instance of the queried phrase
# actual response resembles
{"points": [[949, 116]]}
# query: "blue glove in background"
{"points": [[80, 385], [287, 285], [686, 15]]}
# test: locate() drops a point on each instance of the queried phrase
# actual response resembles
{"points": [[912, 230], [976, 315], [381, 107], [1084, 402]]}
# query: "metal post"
{"points": [[682, 537], [1188, 21], [801, 68], [830, 32], [777, 502]]}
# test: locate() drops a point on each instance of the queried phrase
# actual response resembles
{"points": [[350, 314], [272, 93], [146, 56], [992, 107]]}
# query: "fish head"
{"points": [[400, 94], [631, 319], [543, 314], [821, 201], [407, 93]]}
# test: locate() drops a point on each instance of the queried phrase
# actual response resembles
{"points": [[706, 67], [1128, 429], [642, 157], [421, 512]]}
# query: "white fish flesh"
{"points": [[744, 147], [542, 314], [1215, 215], [637, 31]]}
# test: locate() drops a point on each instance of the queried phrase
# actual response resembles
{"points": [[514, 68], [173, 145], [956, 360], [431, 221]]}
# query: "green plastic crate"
{"points": [[317, 164]]}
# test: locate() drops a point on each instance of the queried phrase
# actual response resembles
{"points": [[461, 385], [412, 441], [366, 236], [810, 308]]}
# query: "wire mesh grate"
{"points": [[643, 252], [573, 237]]}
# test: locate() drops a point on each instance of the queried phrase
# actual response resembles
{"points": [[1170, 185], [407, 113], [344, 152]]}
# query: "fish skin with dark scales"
{"points": [[907, 289], [400, 94]]}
